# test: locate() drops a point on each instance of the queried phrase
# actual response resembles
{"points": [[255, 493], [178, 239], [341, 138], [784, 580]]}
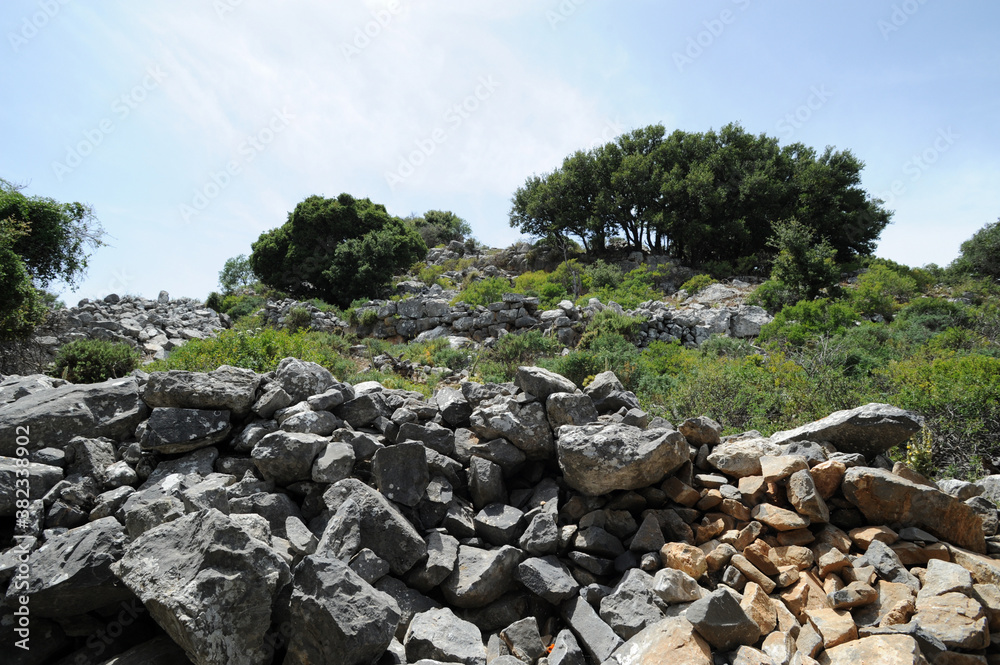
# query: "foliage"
{"points": [[609, 322], [607, 351], [772, 295], [439, 227], [22, 306], [538, 285], [882, 290], [807, 320], [804, 265], [697, 283], [980, 254], [54, 237], [637, 286], [431, 275], [436, 353], [604, 275], [298, 318], [94, 360], [704, 197], [236, 273], [336, 249], [484, 291], [500, 363]]}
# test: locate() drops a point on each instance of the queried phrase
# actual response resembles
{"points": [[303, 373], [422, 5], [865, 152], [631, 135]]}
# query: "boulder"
{"points": [[524, 425], [719, 618], [401, 472], [541, 382], [336, 616], [548, 578], [40, 479], [52, 417], [287, 457], [597, 459], [569, 409], [172, 430], [223, 389], [209, 584], [869, 430], [440, 635], [632, 605], [597, 637], [609, 395], [885, 498], [881, 649], [671, 640], [480, 576], [302, 379], [741, 458]]}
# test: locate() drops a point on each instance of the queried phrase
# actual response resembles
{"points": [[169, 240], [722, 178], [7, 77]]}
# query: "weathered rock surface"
{"points": [[224, 389], [869, 430]]}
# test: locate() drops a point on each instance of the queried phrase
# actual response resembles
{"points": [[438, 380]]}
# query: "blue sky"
{"points": [[191, 126]]}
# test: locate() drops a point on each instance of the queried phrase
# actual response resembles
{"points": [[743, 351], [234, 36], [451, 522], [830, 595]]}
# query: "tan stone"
{"points": [[828, 476], [988, 596], [709, 500], [752, 573], [719, 557], [779, 646], [779, 519], [687, 558], [749, 656], [955, 619], [680, 492], [787, 623], [792, 555], [889, 595], [834, 537], [832, 583], [875, 650], [806, 594], [864, 536], [885, 498], [830, 559], [735, 509], [758, 553], [809, 642], [855, 594], [835, 626], [856, 573], [911, 554], [775, 468], [984, 570], [752, 488], [899, 614], [787, 575], [672, 640], [748, 534], [906, 472], [796, 537], [759, 607], [709, 528]]}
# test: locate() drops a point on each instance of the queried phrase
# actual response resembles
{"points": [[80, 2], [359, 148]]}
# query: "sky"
{"points": [[192, 126]]}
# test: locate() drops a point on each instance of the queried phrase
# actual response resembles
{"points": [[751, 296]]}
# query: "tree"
{"points": [[804, 265], [337, 249], [235, 273], [439, 227], [980, 254], [58, 235], [21, 304]]}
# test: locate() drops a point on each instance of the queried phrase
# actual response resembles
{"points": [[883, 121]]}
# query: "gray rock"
{"points": [[609, 395], [548, 578], [649, 537], [541, 536], [272, 400], [501, 452], [945, 577], [802, 494], [40, 479], [171, 431], [741, 458], [523, 640], [480, 576], [719, 619], [569, 409], [410, 601], [108, 503], [223, 389], [455, 409], [336, 462], [597, 459], [71, 573], [498, 523], [887, 565], [632, 605], [595, 540], [157, 651], [149, 514], [363, 410], [566, 650], [701, 431], [209, 584], [341, 538], [442, 553], [870, 430], [274, 507], [401, 472], [486, 484], [336, 616], [598, 639], [312, 422], [432, 435], [331, 398], [302, 379], [541, 382], [440, 635], [287, 457], [959, 489], [108, 409], [524, 425], [369, 566], [384, 530], [674, 586], [251, 434], [298, 534]]}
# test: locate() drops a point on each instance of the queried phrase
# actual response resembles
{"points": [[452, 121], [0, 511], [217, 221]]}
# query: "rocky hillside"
{"points": [[229, 518]]}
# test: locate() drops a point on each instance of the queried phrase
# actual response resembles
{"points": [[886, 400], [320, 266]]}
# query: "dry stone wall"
{"points": [[233, 518]]}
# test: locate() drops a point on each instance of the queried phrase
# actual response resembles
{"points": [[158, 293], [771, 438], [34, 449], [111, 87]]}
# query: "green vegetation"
{"points": [[697, 283], [981, 253], [484, 291], [94, 360], [337, 249], [439, 227], [235, 274]]}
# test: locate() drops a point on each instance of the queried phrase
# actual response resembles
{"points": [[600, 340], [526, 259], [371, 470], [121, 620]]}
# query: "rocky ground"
{"points": [[232, 518]]}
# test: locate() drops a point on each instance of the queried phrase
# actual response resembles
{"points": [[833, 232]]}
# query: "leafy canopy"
{"points": [[338, 250]]}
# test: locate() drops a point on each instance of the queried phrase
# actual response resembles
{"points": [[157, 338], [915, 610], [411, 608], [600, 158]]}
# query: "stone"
{"points": [[569, 409], [336, 616], [410, 601], [287, 457], [109, 409], [719, 619], [888, 565], [548, 578], [438, 634], [779, 467], [957, 620], [701, 431], [855, 594], [486, 484], [834, 626], [209, 584], [224, 389], [454, 408], [541, 536], [674, 586], [758, 606], [541, 382], [39, 479], [432, 435], [172, 431], [869, 430], [336, 462], [312, 422], [302, 379], [609, 395], [597, 459], [363, 410], [524, 425], [566, 650], [480, 576], [595, 540], [598, 639], [442, 553], [673, 640], [523, 640], [632, 605], [649, 536], [943, 577], [369, 566], [401, 472], [272, 400], [884, 498], [881, 649], [684, 557], [741, 458], [827, 477], [383, 529], [804, 497], [72, 573], [777, 518]]}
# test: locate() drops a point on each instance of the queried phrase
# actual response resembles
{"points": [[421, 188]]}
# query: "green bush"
{"points": [[95, 360], [882, 291], [500, 363], [214, 301], [637, 286], [980, 254], [484, 292], [436, 353], [697, 283], [804, 263], [609, 322], [604, 275], [608, 351], [772, 295], [807, 320], [298, 318]]}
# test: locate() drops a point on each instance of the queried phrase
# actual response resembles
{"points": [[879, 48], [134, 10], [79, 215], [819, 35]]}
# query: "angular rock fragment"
{"points": [[869, 430], [442, 636]]}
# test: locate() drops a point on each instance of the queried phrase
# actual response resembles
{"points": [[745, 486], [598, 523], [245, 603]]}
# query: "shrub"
{"points": [[484, 292], [637, 286], [95, 360], [608, 351], [772, 295], [609, 322], [604, 275], [882, 290], [980, 254], [935, 314], [803, 264], [214, 301], [500, 362], [807, 320], [236, 273], [697, 283], [298, 318]]}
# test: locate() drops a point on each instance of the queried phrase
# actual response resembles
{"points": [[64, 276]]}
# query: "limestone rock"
{"points": [[171, 430], [541, 382], [287, 457], [672, 640], [223, 389], [869, 430], [741, 458], [524, 425]]}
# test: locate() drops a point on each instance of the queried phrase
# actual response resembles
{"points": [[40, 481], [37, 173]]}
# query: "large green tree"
{"points": [[703, 197], [980, 254], [337, 249], [439, 227]]}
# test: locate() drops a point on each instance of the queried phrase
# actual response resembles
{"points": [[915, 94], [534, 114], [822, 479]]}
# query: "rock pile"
{"points": [[154, 327], [235, 518], [276, 314]]}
